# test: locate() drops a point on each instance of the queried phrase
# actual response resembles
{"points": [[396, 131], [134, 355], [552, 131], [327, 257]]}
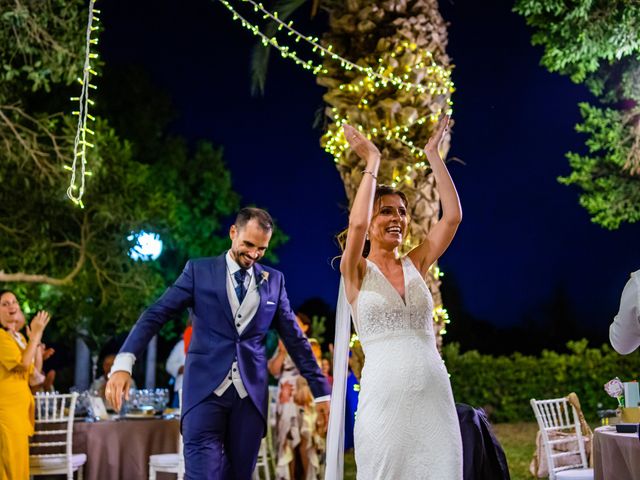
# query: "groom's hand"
{"points": [[323, 416], [117, 386]]}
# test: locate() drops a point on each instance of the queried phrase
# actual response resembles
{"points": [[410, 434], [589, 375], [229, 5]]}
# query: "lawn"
{"points": [[519, 442], [517, 439]]}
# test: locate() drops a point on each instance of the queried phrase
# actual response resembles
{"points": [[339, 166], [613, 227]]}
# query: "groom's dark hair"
{"points": [[251, 213]]}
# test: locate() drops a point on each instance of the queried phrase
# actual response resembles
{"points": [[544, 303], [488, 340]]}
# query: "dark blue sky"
{"points": [[524, 238]]}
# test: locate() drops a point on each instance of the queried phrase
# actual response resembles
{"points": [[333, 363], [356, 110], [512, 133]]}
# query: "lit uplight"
{"points": [[148, 246]]}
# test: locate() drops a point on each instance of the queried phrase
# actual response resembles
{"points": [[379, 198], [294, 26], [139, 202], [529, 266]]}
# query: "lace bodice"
{"points": [[381, 312]]}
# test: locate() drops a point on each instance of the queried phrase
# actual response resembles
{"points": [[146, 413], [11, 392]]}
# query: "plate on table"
{"points": [[171, 413], [138, 414]]}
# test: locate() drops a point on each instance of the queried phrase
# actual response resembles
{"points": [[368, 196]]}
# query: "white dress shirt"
{"points": [[624, 332]]}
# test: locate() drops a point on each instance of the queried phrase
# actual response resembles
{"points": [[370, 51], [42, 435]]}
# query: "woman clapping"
{"points": [[16, 402]]}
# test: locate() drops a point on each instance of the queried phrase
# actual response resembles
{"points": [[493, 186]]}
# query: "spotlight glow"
{"points": [[148, 246]]}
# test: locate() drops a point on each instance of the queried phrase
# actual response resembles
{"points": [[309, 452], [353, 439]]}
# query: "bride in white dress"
{"points": [[406, 425]]}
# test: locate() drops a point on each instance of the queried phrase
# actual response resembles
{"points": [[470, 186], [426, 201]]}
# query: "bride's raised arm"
{"points": [[352, 264], [440, 236]]}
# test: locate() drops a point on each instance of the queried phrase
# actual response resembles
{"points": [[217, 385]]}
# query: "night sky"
{"points": [[524, 239]]}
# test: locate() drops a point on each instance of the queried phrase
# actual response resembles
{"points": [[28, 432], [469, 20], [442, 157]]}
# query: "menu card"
{"points": [[631, 394], [98, 408]]}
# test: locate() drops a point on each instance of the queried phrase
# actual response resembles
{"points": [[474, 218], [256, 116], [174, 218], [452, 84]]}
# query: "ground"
{"points": [[517, 439]]}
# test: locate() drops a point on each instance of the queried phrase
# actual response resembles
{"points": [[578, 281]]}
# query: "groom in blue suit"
{"points": [[234, 301]]}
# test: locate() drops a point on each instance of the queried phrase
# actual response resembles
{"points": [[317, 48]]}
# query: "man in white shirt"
{"points": [[175, 368], [624, 332], [234, 301]]}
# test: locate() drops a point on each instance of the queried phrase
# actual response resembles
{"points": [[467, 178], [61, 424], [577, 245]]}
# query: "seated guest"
{"points": [[327, 370], [39, 381], [175, 368], [99, 384], [624, 332], [317, 350]]}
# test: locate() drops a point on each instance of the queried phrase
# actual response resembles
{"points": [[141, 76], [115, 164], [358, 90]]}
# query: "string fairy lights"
{"points": [[284, 50], [440, 314], [337, 146], [80, 143], [383, 77], [367, 83]]}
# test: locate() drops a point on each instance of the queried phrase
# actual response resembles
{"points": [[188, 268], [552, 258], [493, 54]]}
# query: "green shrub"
{"points": [[504, 385]]}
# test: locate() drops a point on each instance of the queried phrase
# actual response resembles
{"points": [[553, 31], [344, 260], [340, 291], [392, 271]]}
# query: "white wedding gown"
{"points": [[406, 423]]}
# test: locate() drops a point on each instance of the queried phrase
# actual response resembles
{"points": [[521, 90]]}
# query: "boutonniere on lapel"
{"points": [[264, 277]]}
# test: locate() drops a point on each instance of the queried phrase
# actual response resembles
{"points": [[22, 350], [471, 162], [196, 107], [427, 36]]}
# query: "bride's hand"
{"points": [[360, 144], [433, 145]]}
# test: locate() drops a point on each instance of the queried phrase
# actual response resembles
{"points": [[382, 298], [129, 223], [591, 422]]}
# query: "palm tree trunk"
{"points": [[400, 39]]}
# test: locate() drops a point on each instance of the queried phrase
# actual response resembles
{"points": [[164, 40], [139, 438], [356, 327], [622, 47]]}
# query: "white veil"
{"points": [[335, 435]]}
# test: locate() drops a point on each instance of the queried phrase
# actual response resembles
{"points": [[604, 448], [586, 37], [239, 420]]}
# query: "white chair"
{"points": [[563, 440], [263, 462], [54, 435], [168, 462], [266, 454], [271, 425]]}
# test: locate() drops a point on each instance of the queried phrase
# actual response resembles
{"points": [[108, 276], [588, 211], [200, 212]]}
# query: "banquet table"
{"points": [[120, 449], [615, 455]]}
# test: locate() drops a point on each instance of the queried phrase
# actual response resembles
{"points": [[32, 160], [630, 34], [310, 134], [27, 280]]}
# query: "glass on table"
{"points": [[606, 415], [161, 399]]}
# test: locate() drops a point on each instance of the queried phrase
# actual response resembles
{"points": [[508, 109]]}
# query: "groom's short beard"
{"points": [[240, 258]]}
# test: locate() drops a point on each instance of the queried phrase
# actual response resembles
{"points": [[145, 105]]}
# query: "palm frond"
{"points": [[259, 67], [261, 53]]}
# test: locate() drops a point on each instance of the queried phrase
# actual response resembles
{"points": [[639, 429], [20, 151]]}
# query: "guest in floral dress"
{"points": [[299, 443]]}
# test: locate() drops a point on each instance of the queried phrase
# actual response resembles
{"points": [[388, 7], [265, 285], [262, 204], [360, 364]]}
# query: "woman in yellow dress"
{"points": [[16, 402]]}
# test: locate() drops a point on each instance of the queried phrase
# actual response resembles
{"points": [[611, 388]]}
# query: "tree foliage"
{"points": [[597, 42], [611, 195], [41, 43], [581, 37], [196, 180], [41, 47], [75, 261]]}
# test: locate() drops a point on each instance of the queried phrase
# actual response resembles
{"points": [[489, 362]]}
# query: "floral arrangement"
{"points": [[615, 389]]}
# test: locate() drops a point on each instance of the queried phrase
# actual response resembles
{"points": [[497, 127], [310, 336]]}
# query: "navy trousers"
{"points": [[222, 437]]}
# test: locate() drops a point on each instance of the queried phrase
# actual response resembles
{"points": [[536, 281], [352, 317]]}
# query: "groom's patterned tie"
{"points": [[241, 290]]}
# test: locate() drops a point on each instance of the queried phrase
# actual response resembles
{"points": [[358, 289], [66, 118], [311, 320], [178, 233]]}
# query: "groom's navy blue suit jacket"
{"points": [[215, 341]]}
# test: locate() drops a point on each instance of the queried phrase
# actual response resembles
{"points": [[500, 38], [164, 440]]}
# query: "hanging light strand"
{"points": [[285, 51], [314, 42], [80, 143]]}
